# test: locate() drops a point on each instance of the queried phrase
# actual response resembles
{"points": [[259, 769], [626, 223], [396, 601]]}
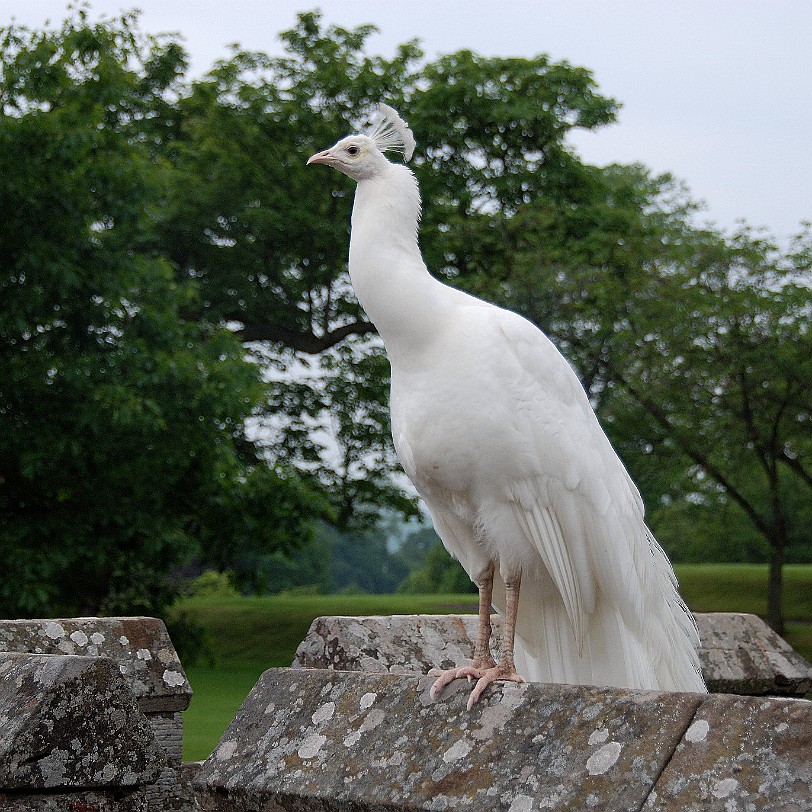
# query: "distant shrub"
{"points": [[213, 584]]}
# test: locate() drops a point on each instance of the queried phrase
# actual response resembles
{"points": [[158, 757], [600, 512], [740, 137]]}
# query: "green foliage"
{"points": [[334, 562], [348, 394], [415, 545], [440, 573], [723, 390], [692, 532], [491, 140], [212, 584], [361, 560], [122, 444], [305, 568], [246, 218]]}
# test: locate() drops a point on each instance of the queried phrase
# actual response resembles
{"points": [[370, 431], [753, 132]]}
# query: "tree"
{"points": [[246, 219], [122, 444], [594, 256], [263, 239], [305, 569], [439, 573], [726, 382], [599, 258], [168, 222]]}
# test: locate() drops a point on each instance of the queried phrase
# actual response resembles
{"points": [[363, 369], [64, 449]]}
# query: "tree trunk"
{"points": [[775, 611]]}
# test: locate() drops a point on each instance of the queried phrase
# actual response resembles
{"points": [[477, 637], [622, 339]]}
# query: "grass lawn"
{"points": [[249, 635]]}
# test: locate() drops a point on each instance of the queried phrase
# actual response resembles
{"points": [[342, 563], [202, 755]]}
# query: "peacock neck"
{"points": [[387, 271]]}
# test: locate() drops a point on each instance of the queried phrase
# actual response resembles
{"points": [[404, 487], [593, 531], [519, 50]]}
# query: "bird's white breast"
{"points": [[452, 423]]}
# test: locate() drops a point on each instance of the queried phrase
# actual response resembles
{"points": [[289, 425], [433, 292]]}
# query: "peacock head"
{"points": [[362, 156], [355, 155]]}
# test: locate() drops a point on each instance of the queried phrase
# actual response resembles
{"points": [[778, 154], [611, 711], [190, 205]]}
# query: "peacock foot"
{"points": [[504, 672]]}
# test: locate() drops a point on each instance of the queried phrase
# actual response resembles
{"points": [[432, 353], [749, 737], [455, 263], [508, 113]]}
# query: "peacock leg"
{"points": [[506, 670], [482, 649], [483, 668]]}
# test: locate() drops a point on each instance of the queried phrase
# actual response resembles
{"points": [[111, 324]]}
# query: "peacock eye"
{"points": [[352, 150]]}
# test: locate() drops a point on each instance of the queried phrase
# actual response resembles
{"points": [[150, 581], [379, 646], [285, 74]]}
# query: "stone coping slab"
{"points": [[740, 753], [353, 741], [71, 722], [94, 800], [739, 653], [327, 740], [140, 647]]}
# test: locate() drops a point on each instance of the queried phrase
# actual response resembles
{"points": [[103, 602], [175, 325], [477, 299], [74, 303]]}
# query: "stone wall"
{"points": [[91, 721], [352, 742], [739, 653], [71, 725], [141, 654]]}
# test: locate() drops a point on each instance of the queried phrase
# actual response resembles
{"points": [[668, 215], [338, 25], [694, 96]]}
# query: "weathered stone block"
{"points": [[143, 653], [71, 722], [739, 654], [741, 753], [94, 800], [168, 731], [396, 644], [140, 647], [327, 740]]}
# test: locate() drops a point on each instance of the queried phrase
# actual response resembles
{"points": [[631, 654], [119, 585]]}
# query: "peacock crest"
{"points": [[391, 133]]}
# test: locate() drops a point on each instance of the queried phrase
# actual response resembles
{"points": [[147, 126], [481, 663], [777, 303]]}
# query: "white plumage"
{"points": [[494, 429]]}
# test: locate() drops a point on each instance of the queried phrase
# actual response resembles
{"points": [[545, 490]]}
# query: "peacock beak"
{"points": [[324, 157]]}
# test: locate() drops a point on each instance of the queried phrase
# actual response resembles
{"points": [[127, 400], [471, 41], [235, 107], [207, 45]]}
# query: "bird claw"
{"points": [[483, 676], [436, 688], [497, 674], [447, 676]]}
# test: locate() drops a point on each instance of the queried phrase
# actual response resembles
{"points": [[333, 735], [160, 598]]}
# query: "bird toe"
{"points": [[483, 676]]}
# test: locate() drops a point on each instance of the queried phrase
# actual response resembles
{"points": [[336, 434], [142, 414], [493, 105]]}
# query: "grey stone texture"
{"points": [[741, 753], [140, 647], [141, 653], [168, 730], [352, 727], [328, 740], [396, 644], [71, 722], [93, 800], [739, 653]]}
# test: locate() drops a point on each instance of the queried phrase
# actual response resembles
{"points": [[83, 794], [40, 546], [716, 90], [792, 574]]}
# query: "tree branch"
{"points": [[692, 451], [749, 420], [298, 339], [795, 466]]}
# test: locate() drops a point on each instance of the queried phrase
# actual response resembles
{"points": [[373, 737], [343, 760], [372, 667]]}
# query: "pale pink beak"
{"points": [[324, 157]]}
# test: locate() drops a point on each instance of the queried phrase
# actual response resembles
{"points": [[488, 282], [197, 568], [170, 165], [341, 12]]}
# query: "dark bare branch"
{"points": [[693, 451], [796, 466], [300, 340]]}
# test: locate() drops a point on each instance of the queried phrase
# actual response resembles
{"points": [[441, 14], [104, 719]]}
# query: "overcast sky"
{"points": [[718, 92]]}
